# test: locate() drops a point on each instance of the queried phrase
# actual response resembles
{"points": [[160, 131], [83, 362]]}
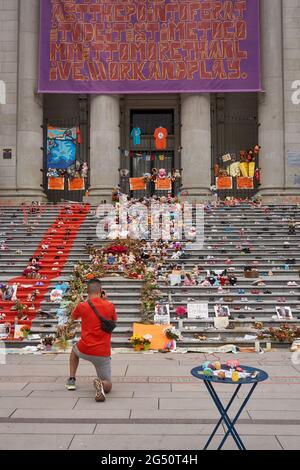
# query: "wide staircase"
{"points": [[228, 231]]}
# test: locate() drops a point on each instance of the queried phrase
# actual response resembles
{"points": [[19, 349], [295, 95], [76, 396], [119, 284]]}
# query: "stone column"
{"points": [[271, 103], [196, 144], [105, 147], [30, 108]]}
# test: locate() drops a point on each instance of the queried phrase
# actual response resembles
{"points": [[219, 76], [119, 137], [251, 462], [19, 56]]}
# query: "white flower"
{"points": [[147, 337]]}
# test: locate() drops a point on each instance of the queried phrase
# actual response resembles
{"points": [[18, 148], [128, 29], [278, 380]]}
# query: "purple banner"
{"points": [[149, 46]]}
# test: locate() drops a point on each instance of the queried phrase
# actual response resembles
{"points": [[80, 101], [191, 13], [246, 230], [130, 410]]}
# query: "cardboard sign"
{"points": [[162, 314], [18, 334], [196, 310], [76, 184], [221, 323], [159, 339], [224, 183], [137, 184], [164, 184], [226, 158], [56, 184], [244, 183]]}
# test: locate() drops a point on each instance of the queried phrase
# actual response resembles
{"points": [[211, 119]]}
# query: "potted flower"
{"points": [[137, 342], [25, 331], [48, 341], [147, 342]]}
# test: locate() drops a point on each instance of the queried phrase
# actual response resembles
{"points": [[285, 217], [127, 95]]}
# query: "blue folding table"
{"points": [[230, 424]]}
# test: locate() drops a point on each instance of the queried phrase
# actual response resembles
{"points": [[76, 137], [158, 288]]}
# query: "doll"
{"points": [[111, 259], [84, 170], [131, 258]]}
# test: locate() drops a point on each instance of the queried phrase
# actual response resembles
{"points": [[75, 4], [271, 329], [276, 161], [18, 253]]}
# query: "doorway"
{"points": [[234, 121], [149, 114], [66, 111]]}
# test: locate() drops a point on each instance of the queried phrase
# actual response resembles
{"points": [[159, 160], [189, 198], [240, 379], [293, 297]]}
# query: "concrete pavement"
{"points": [[155, 404]]}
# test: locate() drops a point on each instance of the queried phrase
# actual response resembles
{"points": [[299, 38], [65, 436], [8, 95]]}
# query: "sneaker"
{"points": [[71, 384], [100, 394]]}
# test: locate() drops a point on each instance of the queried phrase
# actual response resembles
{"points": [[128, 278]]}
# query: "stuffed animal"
{"points": [[52, 173], [162, 174], [176, 174], [84, 170], [154, 173]]}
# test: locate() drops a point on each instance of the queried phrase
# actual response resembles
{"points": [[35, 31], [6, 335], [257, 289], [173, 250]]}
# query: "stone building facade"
{"points": [[275, 112]]}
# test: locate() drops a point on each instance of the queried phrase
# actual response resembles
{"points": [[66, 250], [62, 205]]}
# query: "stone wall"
{"points": [[8, 74], [291, 33]]}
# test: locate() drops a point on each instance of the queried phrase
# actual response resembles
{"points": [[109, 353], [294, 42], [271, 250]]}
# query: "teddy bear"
{"points": [[162, 174]]}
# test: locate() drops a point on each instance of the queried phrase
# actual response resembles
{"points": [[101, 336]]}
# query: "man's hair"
{"points": [[94, 287]]}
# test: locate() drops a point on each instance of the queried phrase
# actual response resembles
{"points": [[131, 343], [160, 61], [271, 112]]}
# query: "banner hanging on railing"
{"points": [[149, 46]]}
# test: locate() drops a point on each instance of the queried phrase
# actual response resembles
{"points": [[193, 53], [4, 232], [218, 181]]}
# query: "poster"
{"points": [[153, 46], [163, 184], [61, 147], [18, 334], [162, 314], [197, 310], [76, 184], [244, 183], [222, 311], [159, 339], [56, 184], [224, 183], [137, 184]]}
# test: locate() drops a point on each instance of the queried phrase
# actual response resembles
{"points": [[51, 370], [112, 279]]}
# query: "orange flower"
{"points": [[90, 276]]}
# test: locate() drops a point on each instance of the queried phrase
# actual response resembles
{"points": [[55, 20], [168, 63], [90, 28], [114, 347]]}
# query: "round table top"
{"points": [[261, 376]]}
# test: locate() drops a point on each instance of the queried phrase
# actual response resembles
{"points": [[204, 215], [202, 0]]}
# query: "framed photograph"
{"points": [[162, 314], [284, 313], [222, 311]]}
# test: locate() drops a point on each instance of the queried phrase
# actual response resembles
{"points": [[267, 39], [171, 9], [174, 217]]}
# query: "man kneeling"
{"points": [[95, 343]]}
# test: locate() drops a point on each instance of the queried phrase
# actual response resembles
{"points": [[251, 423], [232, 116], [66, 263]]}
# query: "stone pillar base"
{"points": [[195, 194], [15, 197], [98, 196], [280, 196]]}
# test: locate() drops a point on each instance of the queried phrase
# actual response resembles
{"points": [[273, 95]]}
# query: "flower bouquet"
{"points": [[48, 341], [181, 311], [64, 334], [25, 331], [147, 342], [137, 342]]}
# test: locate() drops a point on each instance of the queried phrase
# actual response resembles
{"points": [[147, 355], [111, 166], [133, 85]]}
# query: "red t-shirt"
{"points": [[160, 136], [94, 341]]}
